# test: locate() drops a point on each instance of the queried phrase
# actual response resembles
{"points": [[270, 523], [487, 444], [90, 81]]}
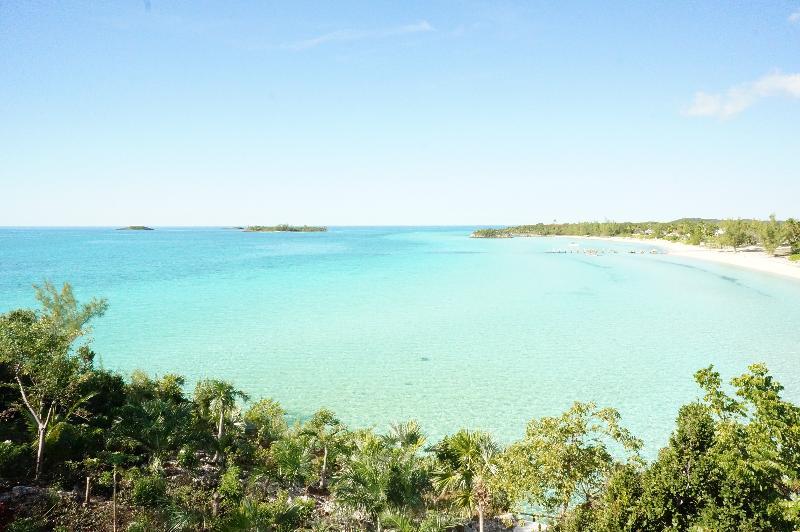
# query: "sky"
{"points": [[397, 113]]}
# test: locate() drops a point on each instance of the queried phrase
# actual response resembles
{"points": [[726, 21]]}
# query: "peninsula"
{"points": [[769, 246], [285, 228]]}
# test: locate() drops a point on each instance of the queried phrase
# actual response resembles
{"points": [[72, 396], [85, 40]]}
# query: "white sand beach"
{"points": [[753, 260]]}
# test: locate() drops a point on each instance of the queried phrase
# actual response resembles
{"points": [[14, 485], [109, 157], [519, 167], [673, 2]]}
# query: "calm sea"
{"points": [[383, 324]]}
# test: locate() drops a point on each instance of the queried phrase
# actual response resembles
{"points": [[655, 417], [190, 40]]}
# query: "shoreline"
{"points": [[750, 260]]}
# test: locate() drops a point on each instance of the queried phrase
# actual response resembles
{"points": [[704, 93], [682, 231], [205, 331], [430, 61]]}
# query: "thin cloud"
{"points": [[358, 35], [738, 98], [794, 18]]}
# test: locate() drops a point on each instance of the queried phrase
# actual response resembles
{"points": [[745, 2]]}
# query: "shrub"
{"points": [[104, 483], [266, 419], [187, 457], [280, 515], [230, 487], [290, 514], [795, 257], [66, 441], [143, 523], [292, 460], [16, 460], [189, 504], [150, 491], [67, 474], [27, 524]]}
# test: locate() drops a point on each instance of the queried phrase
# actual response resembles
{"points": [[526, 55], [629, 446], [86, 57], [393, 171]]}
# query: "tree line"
{"points": [[770, 234], [89, 449]]}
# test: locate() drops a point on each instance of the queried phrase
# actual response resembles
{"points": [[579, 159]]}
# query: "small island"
{"points": [[136, 228], [285, 228]]}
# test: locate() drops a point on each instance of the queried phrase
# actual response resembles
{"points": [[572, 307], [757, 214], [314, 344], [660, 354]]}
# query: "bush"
{"points": [[27, 524], [187, 457], [149, 491], [143, 523], [67, 441], [795, 257], [230, 487], [266, 419], [291, 460], [189, 503], [290, 514], [280, 515], [16, 460], [66, 475], [104, 483]]}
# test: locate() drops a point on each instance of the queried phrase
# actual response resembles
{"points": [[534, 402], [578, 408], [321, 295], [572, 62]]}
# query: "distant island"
{"points": [[285, 228], [135, 228]]}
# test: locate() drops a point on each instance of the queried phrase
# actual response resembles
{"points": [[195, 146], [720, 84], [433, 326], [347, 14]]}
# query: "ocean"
{"points": [[385, 324]]}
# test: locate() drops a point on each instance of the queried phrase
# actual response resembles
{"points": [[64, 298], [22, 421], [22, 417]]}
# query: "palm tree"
{"points": [[364, 480], [466, 463], [432, 522], [216, 400], [323, 431], [406, 435], [293, 459], [385, 481], [155, 425]]}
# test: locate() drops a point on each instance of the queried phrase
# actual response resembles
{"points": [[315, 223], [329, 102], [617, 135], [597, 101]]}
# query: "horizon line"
{"points": [[234, 226]]}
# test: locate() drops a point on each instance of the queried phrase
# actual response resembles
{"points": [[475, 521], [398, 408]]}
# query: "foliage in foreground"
{"points": [[159, 459]]}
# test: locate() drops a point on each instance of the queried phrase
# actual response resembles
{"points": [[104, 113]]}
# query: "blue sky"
{"points": [[340, 113]]}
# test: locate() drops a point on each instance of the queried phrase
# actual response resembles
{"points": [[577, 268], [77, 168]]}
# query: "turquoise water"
{"points": [[385, 324]]}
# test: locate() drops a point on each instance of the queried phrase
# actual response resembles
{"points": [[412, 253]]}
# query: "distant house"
{"points": [[648, 231], [719, 232]]}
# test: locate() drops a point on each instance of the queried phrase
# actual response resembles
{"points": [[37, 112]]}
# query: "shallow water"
{"points": [[385, 324]]}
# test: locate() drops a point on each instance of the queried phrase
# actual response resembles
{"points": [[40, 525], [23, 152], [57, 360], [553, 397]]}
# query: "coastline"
{"points": [[751, 260]]}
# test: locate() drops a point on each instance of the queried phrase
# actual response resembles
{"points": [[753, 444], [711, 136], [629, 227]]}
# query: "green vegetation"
{"points": [[770, 234], [285, 228], [152, 457], [136, 228], [508, 232]]}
